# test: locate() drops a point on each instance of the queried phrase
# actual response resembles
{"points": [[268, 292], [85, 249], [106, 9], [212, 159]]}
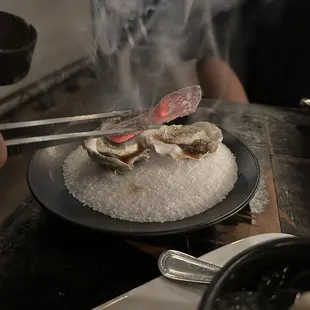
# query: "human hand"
{"points": [[3, 152]]}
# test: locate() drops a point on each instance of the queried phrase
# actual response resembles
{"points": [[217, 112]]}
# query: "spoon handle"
{"points": [[179, 266]]}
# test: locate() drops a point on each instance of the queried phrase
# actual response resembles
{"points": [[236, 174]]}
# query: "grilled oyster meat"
{"points": [[213, 132], [185, 141], [117, 156]]}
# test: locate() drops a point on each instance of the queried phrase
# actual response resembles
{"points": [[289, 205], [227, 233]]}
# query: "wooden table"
{"points": [[281, 203]]}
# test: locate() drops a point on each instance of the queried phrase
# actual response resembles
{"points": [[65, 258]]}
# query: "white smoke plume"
{"points": [[147, 45]]}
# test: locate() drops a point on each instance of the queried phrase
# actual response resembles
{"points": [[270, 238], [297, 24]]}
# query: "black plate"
{"points": [[46, 182]]}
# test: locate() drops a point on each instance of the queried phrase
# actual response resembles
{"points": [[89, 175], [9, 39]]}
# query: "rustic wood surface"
{"points": [[280, 139]]}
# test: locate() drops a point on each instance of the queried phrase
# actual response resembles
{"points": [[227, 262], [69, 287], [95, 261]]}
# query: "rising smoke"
{"points": [[148, 46]]}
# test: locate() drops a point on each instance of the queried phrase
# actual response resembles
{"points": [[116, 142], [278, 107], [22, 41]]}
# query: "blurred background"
{"points": [[64, 35]]}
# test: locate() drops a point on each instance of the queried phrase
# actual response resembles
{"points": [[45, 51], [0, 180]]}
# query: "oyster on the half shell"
{"points": [[185, 141], [116, 156]]}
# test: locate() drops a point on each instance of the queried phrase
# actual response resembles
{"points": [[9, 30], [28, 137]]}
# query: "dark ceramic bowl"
{"points": [[17, 43], [266, 276]]}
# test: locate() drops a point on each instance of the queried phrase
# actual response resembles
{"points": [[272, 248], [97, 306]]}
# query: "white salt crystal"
{"points": [[159, 190]]}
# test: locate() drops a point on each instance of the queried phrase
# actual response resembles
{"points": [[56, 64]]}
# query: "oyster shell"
{"points": [[185, 141], [120, 156]]}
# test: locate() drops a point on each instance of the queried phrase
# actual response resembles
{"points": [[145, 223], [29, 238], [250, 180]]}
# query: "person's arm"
{"points": [[3, 151], [218, 80]]}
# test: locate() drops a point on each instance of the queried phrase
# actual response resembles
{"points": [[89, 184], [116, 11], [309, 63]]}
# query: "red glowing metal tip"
{"points": [[177, 104], [122, 138]]}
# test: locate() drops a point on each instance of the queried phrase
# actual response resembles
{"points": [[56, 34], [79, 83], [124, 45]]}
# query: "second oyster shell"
{"points": [[185, 141]]}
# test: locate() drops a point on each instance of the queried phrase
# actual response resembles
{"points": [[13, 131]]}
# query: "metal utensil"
{"points": [[174, 105], [179, 266], [22, 145], [19, 145], [70, 119]]}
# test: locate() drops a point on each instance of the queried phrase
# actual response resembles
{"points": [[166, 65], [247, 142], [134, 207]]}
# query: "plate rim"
{"points": [[157, 232]]}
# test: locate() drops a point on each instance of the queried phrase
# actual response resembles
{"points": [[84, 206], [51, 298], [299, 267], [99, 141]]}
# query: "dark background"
{"points": [[275, 42]]}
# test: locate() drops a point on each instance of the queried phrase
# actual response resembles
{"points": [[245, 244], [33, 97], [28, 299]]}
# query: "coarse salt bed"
{"points": [[159, 190]]}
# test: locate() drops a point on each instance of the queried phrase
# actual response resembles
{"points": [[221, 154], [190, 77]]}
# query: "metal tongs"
{"points": [[176, 104], [20, 145]]}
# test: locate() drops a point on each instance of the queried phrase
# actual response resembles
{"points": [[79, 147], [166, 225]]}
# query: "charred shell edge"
{"points": [[113, 162]]}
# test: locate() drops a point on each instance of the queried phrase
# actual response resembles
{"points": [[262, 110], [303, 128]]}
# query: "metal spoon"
{"points": [[179, 266]]}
